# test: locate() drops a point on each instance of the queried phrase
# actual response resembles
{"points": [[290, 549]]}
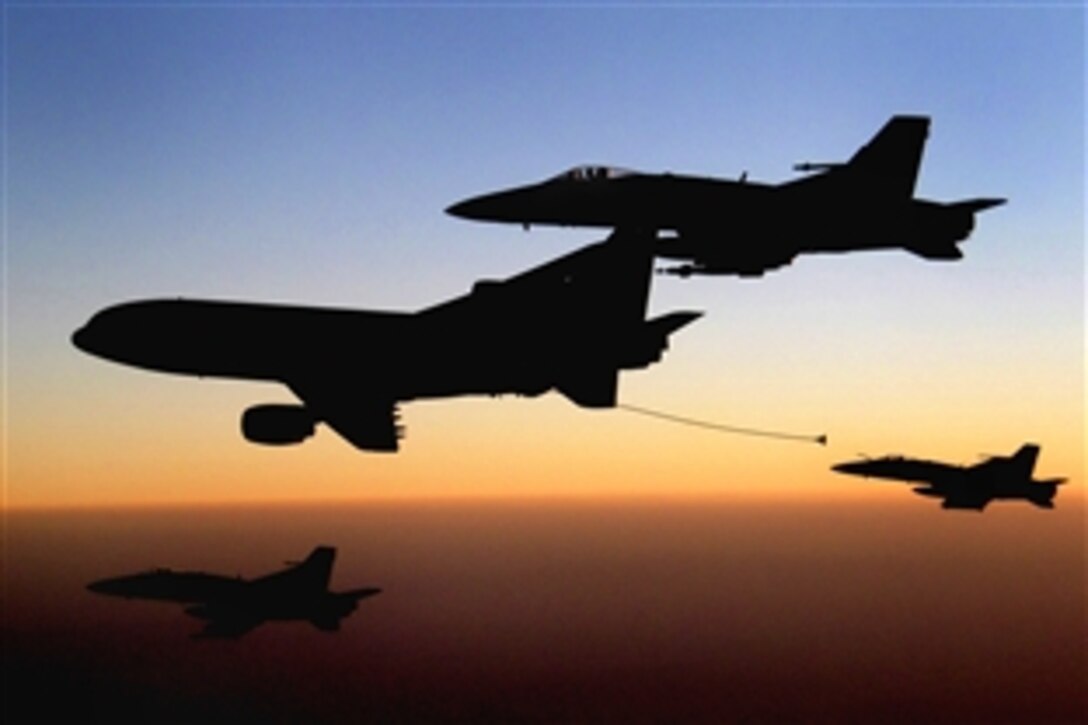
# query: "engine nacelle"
{"points": [[652, 340], [935, 228], [277, 424]]}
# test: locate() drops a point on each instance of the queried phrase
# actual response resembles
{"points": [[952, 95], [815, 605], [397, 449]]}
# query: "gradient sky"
{"points": [[306, 155], [637, 570]]}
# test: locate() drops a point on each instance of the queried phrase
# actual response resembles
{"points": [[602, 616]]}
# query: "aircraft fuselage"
{"points": [[992, 479], [233, 606], [413, 355], [737, 226], [219, 596], [820, 214]]}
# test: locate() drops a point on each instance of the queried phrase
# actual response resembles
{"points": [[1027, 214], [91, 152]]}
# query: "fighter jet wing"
{"points": [[228, 627], [326, 622], [368, 423], [965, 500]]}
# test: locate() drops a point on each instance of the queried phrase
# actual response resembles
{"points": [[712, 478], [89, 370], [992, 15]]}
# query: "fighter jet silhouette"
{"points": [[722, 226], [570, 325], [965, 487], [234, 606]]}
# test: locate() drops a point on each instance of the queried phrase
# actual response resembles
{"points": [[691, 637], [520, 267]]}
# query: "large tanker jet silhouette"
{"points": [[233, 606], [721, 226], [965, 487], [570, 325]]}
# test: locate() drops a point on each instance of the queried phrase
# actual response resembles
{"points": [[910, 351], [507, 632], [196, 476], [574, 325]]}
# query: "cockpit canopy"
{"points": [[590, 173]]}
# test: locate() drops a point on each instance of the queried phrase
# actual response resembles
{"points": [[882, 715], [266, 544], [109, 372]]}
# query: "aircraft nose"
{"points": [[98, 336], [513, 205], [80, 339], [103, 586], [475, 208], [91, 340]]}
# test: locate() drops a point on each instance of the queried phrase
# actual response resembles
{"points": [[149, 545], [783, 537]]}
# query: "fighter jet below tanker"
{"points": [[232, 606], [741, 227], [570, 325], [965, 487]]}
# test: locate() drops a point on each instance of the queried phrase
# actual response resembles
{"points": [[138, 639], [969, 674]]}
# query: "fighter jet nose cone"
{"points": [[468, 209], [81, 340], [513, 205], [100, 587]]}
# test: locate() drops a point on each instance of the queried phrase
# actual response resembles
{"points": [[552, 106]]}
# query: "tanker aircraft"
{"points": [[570, 325]]}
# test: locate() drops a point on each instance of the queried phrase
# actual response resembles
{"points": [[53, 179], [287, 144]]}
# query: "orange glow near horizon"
{"points": [[149, 440]]}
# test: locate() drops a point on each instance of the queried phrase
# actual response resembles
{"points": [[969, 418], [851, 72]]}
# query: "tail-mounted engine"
{"points": [[647, 347]]}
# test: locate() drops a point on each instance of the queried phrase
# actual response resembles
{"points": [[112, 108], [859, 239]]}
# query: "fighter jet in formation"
{"points": [[965, 487], [570, 325], [234, 606], [722, 226]]}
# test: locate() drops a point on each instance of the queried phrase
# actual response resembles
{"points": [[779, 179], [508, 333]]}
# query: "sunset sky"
{"points": [[306, 155], [541, 561]]}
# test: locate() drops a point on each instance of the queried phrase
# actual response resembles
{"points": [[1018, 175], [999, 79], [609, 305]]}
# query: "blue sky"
{"points": [[306, 154], [349, 129]]}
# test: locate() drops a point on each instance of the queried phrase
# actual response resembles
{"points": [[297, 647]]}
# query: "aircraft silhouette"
{"points": [[571, 324], [965, 487], [722, 226], [233, 606]]}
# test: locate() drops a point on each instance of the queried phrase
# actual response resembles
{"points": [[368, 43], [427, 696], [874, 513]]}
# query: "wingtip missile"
{"points": [[976, 205], [811, 166]]}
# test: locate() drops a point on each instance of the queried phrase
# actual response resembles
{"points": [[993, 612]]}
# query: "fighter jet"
{"points": [[570, 325], [234, 606], [723, 226], [965, 487]]}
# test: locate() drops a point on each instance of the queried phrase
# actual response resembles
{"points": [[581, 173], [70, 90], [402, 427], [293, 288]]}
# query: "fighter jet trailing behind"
{"points": [[965, 487], [570, 325], [722, 226], [233, 606]]}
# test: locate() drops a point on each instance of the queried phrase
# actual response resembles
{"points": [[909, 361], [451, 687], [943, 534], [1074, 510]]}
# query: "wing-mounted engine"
{"points": [[277, 424]]}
